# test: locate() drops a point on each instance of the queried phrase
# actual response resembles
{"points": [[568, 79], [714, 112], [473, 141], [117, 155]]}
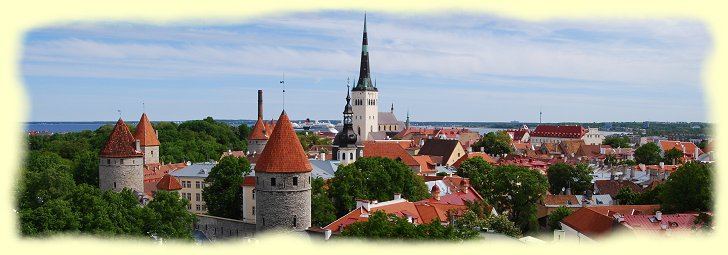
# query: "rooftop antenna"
{"points": [[540, 113], [283, 81]]}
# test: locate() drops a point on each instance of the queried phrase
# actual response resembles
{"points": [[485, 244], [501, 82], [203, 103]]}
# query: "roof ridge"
{"points": [[120, 143]]}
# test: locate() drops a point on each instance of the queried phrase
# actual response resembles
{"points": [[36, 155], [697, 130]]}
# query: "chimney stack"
{"points": [[658, 215], [695, 153], [435, 192], [397, 196], [137, 145], [322, 156], [260, 104]]}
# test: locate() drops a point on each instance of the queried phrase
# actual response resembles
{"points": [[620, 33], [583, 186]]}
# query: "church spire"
{"points": [[407, 123], [365, 80]]}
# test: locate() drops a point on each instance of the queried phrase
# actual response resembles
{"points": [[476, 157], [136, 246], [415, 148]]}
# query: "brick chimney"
{"points": [[260, 104], [465, 184], [435, 192]]}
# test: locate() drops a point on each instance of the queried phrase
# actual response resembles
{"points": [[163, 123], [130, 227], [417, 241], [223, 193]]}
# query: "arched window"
{"points": [[351, 155], [295, 224]]}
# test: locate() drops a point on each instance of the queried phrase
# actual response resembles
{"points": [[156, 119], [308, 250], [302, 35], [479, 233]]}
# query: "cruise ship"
{"points": [[309, 125]]}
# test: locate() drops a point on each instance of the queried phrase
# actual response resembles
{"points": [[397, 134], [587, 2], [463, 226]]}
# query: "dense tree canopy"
{"points": [[556, 216], [648, 154], [323, 211], [515, 190], [690, 188], [474, 169], [308, 139], [617, 141], [381, 226], [674, 156], [374, 178], [197, 140], [222, 192], [494, 143], [562, 176]]}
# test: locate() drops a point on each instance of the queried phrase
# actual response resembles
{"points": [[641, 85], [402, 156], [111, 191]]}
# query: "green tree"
{"points": [[556, 216], [382, 226], [610, 160], [323, 211], [51, 217], [651, 196], [167, 216], [648, 154], [309, 139], [222, 194], [474, 169], [563, 176], [674, 156], [627, 196], [243, 131], [690, 188], [374, 178], [617, 141], [515, 190], [494, 143], [86, 168], [478, 217]]}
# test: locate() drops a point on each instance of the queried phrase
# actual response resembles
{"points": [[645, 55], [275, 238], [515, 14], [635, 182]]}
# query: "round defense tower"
{"points": [[283, 182], [121, 162]]}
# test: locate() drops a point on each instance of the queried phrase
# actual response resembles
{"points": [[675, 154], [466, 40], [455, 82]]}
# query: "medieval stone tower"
{"points": [[283, 182], [365, 96], [121, 163], [148, 140], [260, 133]]}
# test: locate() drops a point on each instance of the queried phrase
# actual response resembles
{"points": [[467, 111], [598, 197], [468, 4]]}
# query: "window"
{"points": [[108, 161], [295, 181], [253, 210], [197, 196], [189, 196], [114, 184], [253, 194], [351, 155], [197, 183], [189, 207], [204, 207], [294, 221], [197, 207], [272, 181]]}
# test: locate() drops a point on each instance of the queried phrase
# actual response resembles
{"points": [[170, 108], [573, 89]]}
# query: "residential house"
{"points": [[449, 150]]}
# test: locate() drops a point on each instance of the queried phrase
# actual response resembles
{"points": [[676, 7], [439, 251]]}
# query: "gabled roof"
{"points": [[610, 187], [571, 146], [145, 132], [688, 148], [121, 143], [426, 164], [470, 155], [439, 147], [589, 222], [559, 131], [388, 118], [258, 132], [283, 153], [392, 150], [169, 182], [559, 200]]}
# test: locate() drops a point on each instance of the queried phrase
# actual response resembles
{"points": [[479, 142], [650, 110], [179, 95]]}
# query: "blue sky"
{"points": [[440, 67]]}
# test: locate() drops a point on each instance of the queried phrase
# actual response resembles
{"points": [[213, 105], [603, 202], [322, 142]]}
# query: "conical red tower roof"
{"points": [[145, 132], [169, 182], [283, 152], [121, 143], [258, 132]]}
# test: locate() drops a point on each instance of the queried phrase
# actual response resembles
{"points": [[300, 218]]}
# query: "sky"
{"points": [[451, 66]]}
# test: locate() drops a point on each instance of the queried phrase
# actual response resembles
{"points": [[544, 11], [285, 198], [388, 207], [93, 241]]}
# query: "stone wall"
{"points": [[284, 206], [256, 146], [151, 154], [217, 228], [117, 173]]}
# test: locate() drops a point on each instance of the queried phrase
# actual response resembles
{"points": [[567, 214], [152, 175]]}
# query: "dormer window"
{"points": [[272, 181]]}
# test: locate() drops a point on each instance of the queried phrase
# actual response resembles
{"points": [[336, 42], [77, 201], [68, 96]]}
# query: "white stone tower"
{"points": [[365, 96], [121, 161]]}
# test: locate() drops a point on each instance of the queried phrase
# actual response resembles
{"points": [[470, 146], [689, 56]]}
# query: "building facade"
{"points": [[365, 96], [121, 161], [192, 179]]}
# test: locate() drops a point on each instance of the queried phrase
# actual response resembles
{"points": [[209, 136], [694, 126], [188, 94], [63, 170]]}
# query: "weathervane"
{"points": [[283, 81], [119, 113]]}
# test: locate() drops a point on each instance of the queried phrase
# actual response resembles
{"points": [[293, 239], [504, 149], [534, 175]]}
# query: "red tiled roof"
{"points": [[389, 150], [688, 148], [609, 187], [558, 200], [470, 155], [283, 152], [238, 154], [674, 222], [559, 131], [258, 132], [153, 172], [145, 132], [168, 183], [121, 143], [426, 164], [248, 181], [625, 209], [589, 222]]}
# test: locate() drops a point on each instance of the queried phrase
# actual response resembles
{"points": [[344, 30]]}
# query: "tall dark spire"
{"points": [[365, 80], [347, 136]]}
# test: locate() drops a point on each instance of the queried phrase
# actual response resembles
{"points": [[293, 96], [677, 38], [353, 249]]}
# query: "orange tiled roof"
{"points": [[426, 164], [612, 187], [169, 183], [258, 132], [153, 172], [283, 152], [558, 200], [470, 155], [559, 131], [121, 143], [589, 222], [688, 148], [390, 150], [145, 132], [248, 181]]}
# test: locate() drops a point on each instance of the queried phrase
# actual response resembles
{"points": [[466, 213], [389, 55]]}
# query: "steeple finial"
{"points": [[392, 110], [283, 81], [365, 21]]}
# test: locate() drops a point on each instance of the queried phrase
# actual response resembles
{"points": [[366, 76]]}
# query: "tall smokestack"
{"points": [[260, 104]]}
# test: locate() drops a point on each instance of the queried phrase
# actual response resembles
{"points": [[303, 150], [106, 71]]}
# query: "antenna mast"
{"points": [[283, 81]]}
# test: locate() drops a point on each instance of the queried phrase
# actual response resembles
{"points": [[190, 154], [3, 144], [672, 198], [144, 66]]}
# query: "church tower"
{"points": [[283, 182], [365, 96], [344, 147], [121, 161], [148, 140]]}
